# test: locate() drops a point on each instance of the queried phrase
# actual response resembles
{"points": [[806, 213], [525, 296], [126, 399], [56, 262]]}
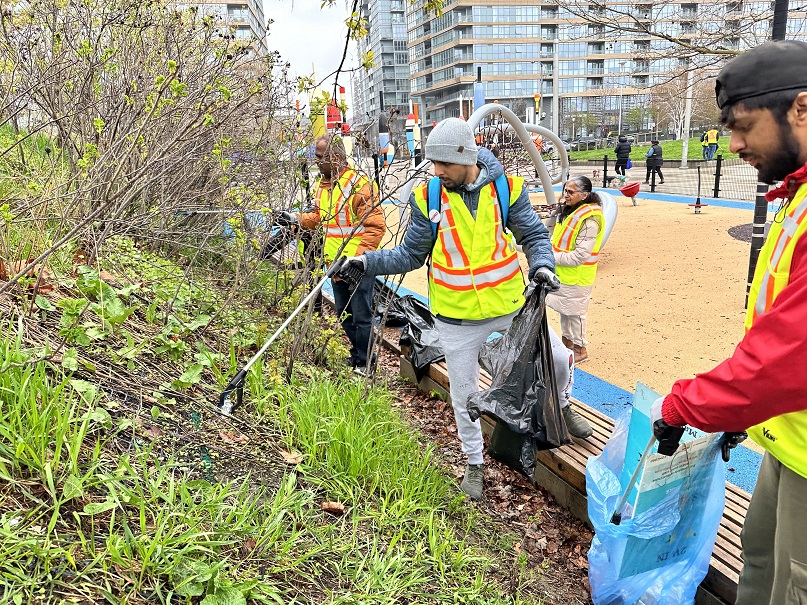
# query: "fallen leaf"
{"points": [[292, 457], [552, 547], [335, 508], [43, 288], [248, 546], [228, 437], [153, 432]]}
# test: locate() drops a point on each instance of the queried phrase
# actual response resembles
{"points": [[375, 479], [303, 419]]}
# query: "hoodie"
{"points": [[522, 221]]}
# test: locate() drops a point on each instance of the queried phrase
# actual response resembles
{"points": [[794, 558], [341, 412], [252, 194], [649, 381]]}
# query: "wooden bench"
{"points": [[562, 472]]}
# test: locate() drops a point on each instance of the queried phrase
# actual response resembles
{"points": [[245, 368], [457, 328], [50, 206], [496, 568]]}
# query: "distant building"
{"points": [[389, 79], [246, 18], [578, 68]]}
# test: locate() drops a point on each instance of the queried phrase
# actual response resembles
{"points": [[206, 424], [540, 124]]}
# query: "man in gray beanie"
{"points": [[475, 280], [762, 387]]}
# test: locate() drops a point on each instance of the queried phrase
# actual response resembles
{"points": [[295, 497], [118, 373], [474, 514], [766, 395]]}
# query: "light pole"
{"points": [[555, 87], [621, 64]]}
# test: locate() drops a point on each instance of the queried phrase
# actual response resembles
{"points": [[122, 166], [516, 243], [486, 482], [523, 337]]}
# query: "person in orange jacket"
{"points": [[348, 209]]}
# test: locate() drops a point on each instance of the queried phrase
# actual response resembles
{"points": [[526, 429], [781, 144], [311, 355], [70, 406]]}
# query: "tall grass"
{"points": [[79, 520]]}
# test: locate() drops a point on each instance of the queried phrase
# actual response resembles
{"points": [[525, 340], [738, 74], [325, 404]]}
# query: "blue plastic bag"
{"points": [[629, 164], [660, 552]]}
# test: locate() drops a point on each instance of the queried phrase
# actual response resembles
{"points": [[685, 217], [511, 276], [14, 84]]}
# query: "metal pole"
{"points": [[605, 171], [780, 8], [687, 117], [778, 32], [555, 88], [621, 85], [718, 166], [758, 233]]}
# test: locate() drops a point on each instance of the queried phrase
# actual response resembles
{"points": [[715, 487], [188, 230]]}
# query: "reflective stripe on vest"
{"points": [[783, 436], [337, 215], [711, 136], [564, 239], [474, 272]]}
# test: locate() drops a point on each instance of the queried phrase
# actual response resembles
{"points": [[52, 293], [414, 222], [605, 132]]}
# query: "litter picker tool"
{"points": [[236, 384], [668, 439]]}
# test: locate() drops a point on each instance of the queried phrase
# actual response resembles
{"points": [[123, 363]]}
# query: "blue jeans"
{"points": [[355, 311]]}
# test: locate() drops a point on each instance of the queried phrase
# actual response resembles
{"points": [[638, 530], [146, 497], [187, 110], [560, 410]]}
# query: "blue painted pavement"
{"points": [[607, 398]]}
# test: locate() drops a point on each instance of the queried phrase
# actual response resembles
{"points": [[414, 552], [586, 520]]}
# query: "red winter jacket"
{"points": [[765, 377]]}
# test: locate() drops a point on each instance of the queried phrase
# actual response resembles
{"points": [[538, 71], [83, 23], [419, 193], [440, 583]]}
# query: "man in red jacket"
{"points": [[762, 387]]}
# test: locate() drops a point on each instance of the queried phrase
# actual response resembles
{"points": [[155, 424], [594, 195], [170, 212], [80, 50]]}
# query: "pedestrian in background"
{"points": [[762, 387], [622, 151], [712, 136], [576, 240], [655, 161]]}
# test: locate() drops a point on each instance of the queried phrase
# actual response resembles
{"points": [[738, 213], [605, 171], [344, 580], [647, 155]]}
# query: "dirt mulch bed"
{"points": [[551, 542]]}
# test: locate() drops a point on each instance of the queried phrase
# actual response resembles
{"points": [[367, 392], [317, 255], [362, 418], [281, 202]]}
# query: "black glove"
{"points": [[286, 219], [351, 269], [729, 441], [545, 277], [668, 436]]}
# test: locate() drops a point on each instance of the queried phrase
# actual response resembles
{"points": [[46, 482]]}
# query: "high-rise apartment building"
{"points": [[577, 66], [389, 78], [245, 17]]}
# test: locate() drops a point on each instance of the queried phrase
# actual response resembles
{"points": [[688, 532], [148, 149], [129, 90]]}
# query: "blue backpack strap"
{"points": [[435, 198], [502, 186]]}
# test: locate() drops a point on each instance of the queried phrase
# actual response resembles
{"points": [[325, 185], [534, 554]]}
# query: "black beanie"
{"points": [[770, 67]]}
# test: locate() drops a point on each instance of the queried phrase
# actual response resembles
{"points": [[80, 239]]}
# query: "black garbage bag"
{"points": [[523, 397], [278, 239], [419, 334], [388, 306]]}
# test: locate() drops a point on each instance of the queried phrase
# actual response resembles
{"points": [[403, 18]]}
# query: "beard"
{"points": [[784, 160]]}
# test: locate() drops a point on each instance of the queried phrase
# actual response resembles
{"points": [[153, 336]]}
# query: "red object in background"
{"points": [[332, 116], [630, 190], [345, 128]]}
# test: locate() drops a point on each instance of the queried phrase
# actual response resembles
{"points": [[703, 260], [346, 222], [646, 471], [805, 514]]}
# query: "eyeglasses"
{"points": [[569, 192]]}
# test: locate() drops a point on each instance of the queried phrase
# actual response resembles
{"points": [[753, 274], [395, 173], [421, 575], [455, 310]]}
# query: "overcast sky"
{"points": [[307, 35]]}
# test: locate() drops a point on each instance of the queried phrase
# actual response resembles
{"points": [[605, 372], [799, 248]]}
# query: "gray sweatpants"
{"points": [[461, 345]]}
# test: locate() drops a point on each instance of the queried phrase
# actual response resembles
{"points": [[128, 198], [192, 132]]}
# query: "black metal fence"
{"points": [[730, 179]]}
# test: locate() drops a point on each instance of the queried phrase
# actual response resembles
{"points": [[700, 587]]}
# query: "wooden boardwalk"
{"points": [[562, 472]]}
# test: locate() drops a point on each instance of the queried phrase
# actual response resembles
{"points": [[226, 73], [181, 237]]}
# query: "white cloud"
{"points": [[310, 38]]}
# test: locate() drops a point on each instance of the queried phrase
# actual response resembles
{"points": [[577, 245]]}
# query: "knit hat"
{"points": [[452, 141], [770, 67]]}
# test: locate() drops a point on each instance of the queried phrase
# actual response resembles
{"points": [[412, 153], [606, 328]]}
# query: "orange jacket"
{"points": [[362, 201]]}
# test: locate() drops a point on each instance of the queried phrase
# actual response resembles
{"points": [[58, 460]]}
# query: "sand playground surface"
{"points": [[669, 297]]}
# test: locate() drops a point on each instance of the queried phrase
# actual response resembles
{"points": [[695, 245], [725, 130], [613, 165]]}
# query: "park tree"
{"points": [[704, 32], [117, 116], [634, 118]]}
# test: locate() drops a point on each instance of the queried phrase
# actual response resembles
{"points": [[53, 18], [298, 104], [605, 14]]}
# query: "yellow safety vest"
{"points": [[337, 216], [474, 271], [711, 136], [564, 239], [783, 436]]}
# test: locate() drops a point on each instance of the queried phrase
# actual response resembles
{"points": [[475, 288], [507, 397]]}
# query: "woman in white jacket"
{"points": [[577, 237]]}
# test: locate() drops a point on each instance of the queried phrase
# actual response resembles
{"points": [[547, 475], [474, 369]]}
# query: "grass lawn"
{"points": [[673, 150]]}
